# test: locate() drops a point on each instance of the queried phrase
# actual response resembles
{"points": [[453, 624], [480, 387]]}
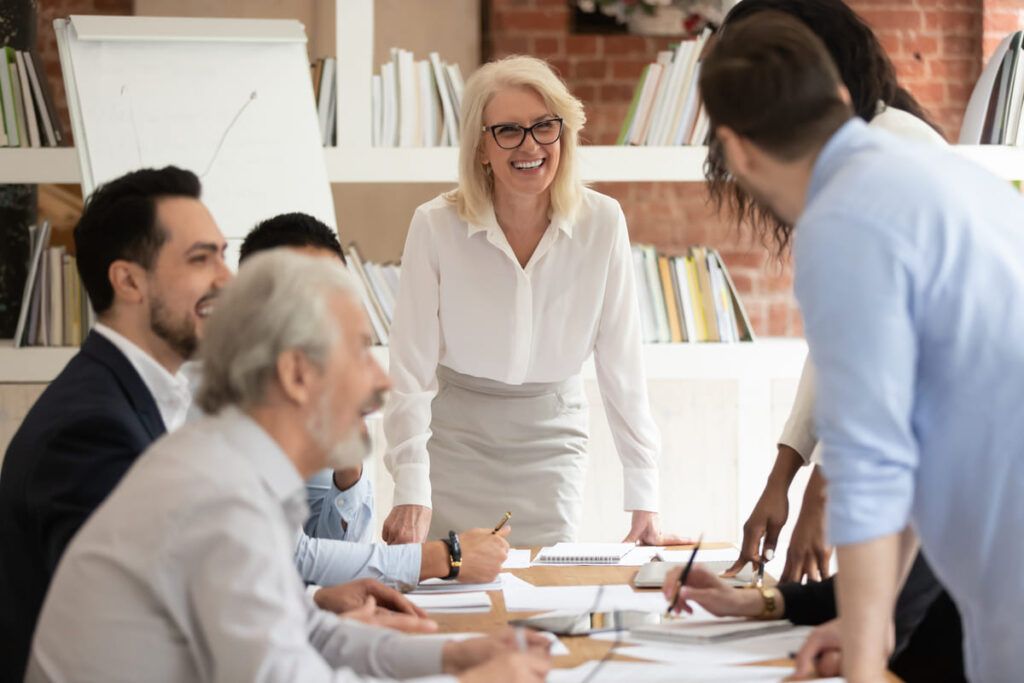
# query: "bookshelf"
{"points": [[598, 164]]}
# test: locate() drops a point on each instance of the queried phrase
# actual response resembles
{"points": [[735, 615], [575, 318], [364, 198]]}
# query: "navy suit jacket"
{"points": [[75, 444]]}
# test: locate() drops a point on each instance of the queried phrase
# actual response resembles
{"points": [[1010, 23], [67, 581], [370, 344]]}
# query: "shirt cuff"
{"points": [[798, 434], [416, 657], [412, 484], [640, 489]]}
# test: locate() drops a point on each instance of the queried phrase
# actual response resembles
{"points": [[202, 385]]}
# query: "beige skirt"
{"points": [[498, 447]]}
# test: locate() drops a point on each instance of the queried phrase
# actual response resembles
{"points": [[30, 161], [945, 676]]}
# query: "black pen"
{"points": [[684, 575]]}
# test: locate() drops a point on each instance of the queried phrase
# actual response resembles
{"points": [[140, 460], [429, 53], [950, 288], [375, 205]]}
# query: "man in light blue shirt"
{"points": [[910, 276]]}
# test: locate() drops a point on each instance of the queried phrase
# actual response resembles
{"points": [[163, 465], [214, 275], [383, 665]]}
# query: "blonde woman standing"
{"points": [[508, 284]]}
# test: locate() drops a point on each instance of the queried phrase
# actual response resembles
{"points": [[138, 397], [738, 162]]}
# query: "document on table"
{"points": [[435, 586], [521, 596], [558, 648], [756, 649], [452, 602], [703, 555], [518, 558], [630, 672]]}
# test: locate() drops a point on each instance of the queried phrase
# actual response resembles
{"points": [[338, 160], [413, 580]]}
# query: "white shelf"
{"points": [[39, 165], [440, 164], [32, 365]]}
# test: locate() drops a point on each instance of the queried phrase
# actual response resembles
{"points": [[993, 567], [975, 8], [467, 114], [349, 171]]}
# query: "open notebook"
{"points": [[583, 553]]}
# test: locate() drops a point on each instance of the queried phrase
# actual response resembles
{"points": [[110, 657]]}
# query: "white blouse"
{"points": [[465, 302], [799, 433]]}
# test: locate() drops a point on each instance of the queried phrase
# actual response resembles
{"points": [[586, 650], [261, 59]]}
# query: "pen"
{"points": [[685, 574], [504, 520]]}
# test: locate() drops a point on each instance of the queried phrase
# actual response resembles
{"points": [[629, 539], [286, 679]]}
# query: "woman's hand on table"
{"points": [[646, 530]]}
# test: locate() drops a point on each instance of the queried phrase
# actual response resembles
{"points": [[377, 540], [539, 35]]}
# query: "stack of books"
{"points": [[416, 103], [688, 298], [666, 109], [55, 310], [378, 288], [994, 112], [325, 92], [28, 117]]}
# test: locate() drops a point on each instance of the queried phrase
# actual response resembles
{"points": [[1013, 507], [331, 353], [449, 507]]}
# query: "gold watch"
{"points": [[769, 596]]}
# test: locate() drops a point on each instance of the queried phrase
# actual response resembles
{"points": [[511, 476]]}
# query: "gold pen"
{"points": [[504, 520]]}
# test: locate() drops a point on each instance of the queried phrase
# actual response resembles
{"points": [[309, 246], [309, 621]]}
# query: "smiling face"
{"points": [[187, 274], [530, 168]]}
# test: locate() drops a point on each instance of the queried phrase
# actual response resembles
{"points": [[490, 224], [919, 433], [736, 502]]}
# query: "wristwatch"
{"points": [[454, 555], [768, 596]]}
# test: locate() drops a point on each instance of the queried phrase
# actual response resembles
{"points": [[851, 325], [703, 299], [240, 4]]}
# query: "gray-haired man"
{"points": [[185, 572]]}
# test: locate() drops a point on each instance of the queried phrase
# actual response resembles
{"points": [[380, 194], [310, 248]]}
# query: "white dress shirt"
{"points": [[172, 393], [799, 433], [185, 573], [466, 303]]}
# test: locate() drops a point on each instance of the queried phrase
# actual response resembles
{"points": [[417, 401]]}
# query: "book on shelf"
{"points": [[688, 298], [27, 114], [666, 107], [378, 288], [994, 112], [325, 91], [54, 308], [415, 103]]}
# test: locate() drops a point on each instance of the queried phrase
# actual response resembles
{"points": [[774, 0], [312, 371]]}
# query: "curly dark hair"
{"points": [[865, 70]]}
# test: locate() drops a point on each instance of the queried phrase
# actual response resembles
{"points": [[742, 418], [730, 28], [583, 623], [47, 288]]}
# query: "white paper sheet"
{"points": [[583, 553], [558, 648], [703, 555], [580, 598], [436, 586], [759, 649], [518, 558], [452, 602], [631, 672]]}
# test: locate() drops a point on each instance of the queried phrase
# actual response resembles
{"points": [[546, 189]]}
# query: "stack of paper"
{"points": [[518, 558], [436, 586], [452, 602], [521, 596]]}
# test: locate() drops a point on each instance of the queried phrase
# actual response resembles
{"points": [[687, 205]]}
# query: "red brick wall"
{"points": [[936, 46], [47, 41]]}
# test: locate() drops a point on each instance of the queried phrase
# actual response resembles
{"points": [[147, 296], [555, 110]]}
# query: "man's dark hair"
{"points": [[119, 223], [290, 230], [864, 68]]}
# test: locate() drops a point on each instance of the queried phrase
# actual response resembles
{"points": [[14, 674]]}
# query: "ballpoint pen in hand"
{"points": [[504, 520], [684, 575]]}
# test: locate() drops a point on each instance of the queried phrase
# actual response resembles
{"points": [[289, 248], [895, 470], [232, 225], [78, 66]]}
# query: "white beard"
{"points": [[351, 451]]}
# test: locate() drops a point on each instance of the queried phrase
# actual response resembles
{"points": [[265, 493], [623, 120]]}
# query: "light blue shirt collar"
{"points": [[832, 154]]}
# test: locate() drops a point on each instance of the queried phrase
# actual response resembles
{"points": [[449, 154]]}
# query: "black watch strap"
{"points": [[454, 555]]}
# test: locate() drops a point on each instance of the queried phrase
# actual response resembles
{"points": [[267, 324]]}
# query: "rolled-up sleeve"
{"points": [[327, 562], [415, 350], [619, 361], [799, 432], [854, 282], [341, 515]]}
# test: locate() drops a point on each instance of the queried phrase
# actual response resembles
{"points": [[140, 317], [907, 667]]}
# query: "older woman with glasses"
{"points": [[509, 283]]}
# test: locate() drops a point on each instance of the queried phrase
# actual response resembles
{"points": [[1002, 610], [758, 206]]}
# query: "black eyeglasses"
{"points": [[511, 135]]}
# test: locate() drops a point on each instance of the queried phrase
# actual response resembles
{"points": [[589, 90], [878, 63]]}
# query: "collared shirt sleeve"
{"points": [[345, 643], [863, 343], [336, 514], [256, 621], [327, 562], [415, 351], [799, 432], [618, 359]]}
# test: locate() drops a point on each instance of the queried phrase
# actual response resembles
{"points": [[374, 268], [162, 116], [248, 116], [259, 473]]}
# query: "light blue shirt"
{"points": [[910, 276], [328, 551], [336, 542]]}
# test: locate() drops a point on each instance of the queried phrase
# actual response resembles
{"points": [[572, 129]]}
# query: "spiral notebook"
{"points": [[583, 553]]}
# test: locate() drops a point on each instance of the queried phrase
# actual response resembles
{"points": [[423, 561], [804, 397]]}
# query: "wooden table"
{"points": [[581, 648]]}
